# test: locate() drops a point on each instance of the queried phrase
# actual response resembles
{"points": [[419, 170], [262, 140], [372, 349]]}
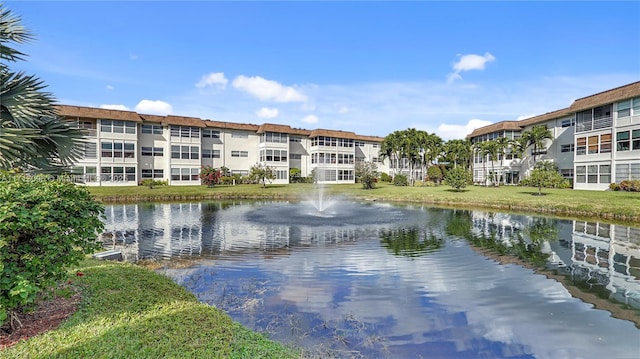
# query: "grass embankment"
{"points": [[602, 205], [131, 312]]}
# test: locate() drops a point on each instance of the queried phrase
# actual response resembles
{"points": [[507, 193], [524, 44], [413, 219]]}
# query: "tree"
{"points": [[32, 136], [435, 174], [458, 152], [262, 173], [503, 144], [489, 151], [537, 137], [210, 176], [545, 175], [367, 173], [458, 178]]}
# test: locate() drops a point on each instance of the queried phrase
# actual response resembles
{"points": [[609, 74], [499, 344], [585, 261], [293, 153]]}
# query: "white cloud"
{"points": [[468, 63], [447, 131], [213, 79], [115, 107], [268, 90], [133, 57], [109, 87], [311, 119], [154, 107], [343, 109], [267, 112]]}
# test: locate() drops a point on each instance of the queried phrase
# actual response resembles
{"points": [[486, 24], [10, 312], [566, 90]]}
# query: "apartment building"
{"points": [[123, 148], [596, 141]]}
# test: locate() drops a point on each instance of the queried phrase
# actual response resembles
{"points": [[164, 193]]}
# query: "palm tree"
{"points": [[459, 152], [490, 149], [503, 144], [537, 137], [32, 137]]}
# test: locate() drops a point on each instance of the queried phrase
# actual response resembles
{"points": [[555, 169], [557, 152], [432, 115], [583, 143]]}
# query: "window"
{"points": [[185, 174], [209, 153], [635, 139], [118, 149], [185, 152], [209, 133], [152, 151], [84, 174], [636, 106], [117, 126], [90, 150], [295, 139], [592, 144], [592, 174], [567, 148], [568, 123], [184, 131], [146, 174], [239, 135], [605, 173], [151, 129], [581, 174], [295, 156], [239, 154], [622, 141], [567, 173], [274, 137], [605, 143], [359, 143], [584, 121], [117, 174], [345, 158], [627, 171], [345, 175], [624, 108], [282, 174], [273, 156]]}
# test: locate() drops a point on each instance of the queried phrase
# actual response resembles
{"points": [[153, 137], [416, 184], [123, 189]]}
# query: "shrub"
{"points": [[614, 186], [630, 185], [45, 226], [295, 175], [385, 177], [153, 183], [434, 173], [545, 178], [210, 176], [400, 180], [458, 178], [367, 173]]}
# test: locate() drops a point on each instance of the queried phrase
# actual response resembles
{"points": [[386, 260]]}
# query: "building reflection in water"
{"points": [[601, 257], [605, 258]]}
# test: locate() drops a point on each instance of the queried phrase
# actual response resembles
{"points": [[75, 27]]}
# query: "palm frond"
{"points": [[11, 30]]}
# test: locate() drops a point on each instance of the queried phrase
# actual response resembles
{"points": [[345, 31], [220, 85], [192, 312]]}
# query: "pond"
{"points": [[373, 280]]}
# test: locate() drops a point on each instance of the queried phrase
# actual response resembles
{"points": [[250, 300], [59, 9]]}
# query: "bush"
{"points": [[545, 178], [458, 178], [385, 177], [630, 185], [210, 176], [400, 180], [366, 173], [434, 173], [46, 226], [614, 187], [153, 183]]}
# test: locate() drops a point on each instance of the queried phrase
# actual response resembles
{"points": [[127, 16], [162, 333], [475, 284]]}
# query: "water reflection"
{"points": [[407, 287]]}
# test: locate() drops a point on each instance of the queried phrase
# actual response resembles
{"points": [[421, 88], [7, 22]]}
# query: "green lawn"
{"points": [[603, 205], [131, 312]]}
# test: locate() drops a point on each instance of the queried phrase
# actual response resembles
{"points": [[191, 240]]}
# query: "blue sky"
{"points": [[367, 67]]}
